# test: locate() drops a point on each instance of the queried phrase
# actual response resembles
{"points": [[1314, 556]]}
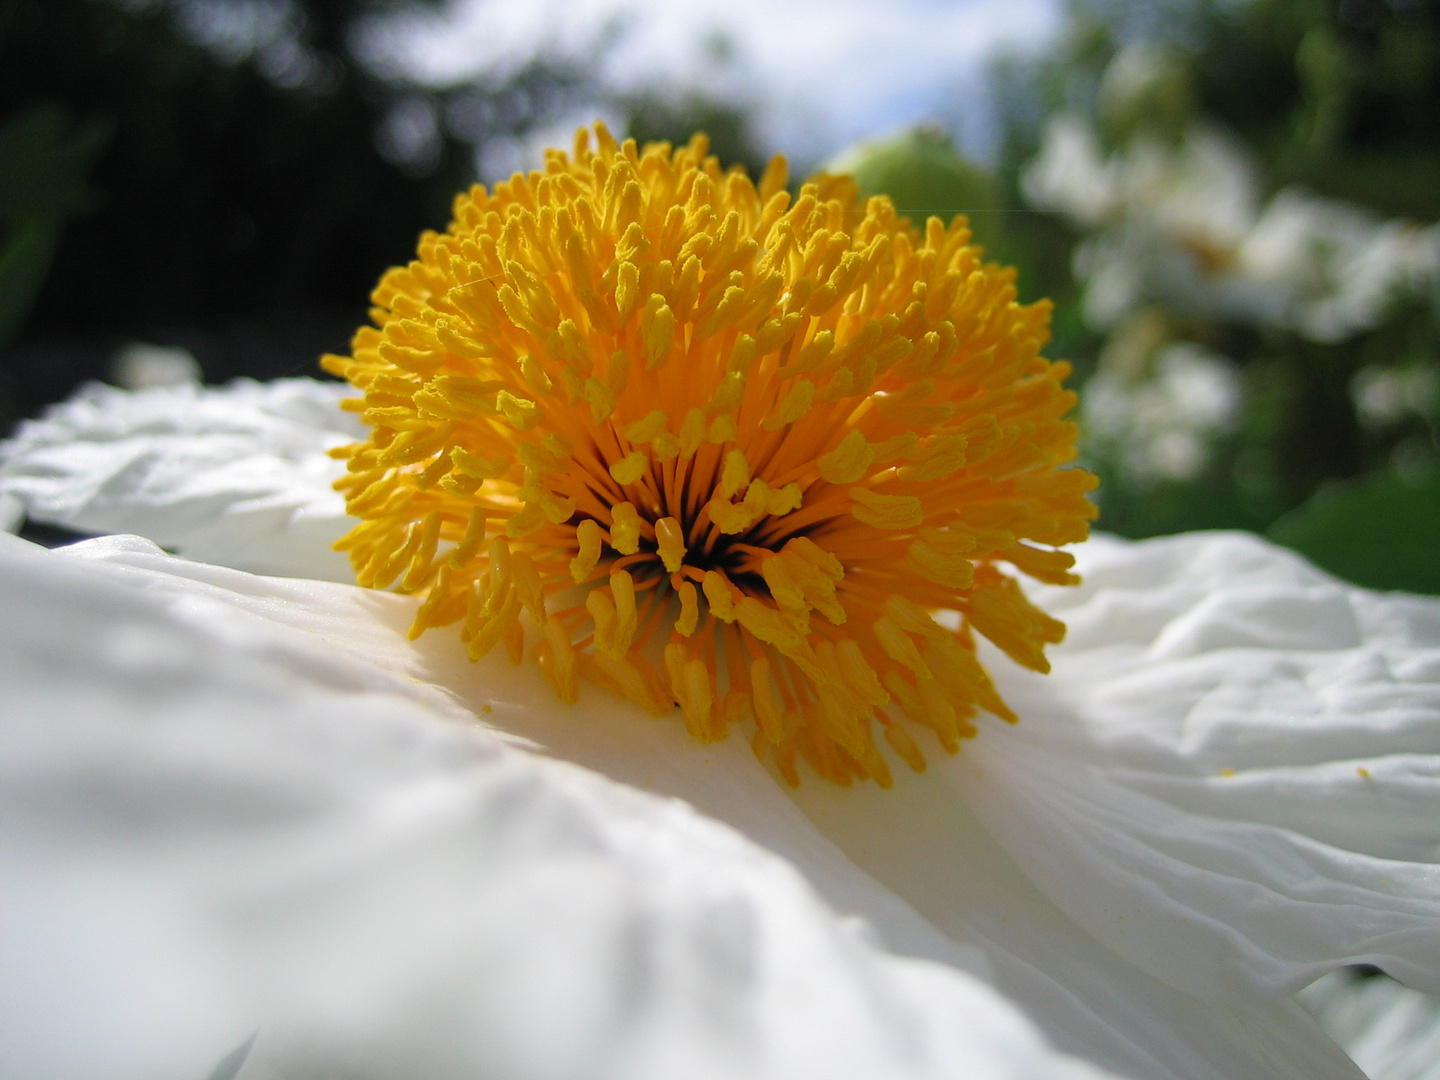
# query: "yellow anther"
{"points": [[528, 586], [913, 619], [433, 472], [728, 395], [782, 501], [859, 674], [529, 520], [782, 584], [539, 458], [472, 541], [742, 355], [940, 460], [499, 552], [495, 630], [562, 660], [813, 553], [735, 474], [601, 399], [796, 404], [617, 374], [474, 465], [624, 528], [657, 331], [689, 610], [762, 696], [587, 538], [699, 699], [523, 413], [642, 431], [556, 509], [627, 288], [811, 356], [848, 461], [675, 668], [602, 614], [901, 446], [630, 468], [731, 518], [952, 571], [666, 446], [622, 588], [901, 742], [692, 433], [757, 497], [670, 543], [886, 511], [767, 624], [385, 566], [719, 596], [723, 429], [534, 375], [899, 646], [421, 562]]}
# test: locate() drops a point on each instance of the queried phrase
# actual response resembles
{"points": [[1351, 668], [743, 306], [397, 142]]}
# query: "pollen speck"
{"points": [[712, 446]]}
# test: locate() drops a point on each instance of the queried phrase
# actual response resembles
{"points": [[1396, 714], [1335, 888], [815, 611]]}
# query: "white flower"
{"points": [[1340, 266], [245, 801], [1180, 223], [1161, 426]]}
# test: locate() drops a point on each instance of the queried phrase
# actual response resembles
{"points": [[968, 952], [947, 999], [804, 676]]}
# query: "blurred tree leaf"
{"points": [[654, 117], [1383, 532], [43, 170], [925, 176]]}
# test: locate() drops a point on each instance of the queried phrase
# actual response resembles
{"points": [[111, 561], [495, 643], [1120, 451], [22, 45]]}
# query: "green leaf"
{"points": [[924, 176], [1383, 532]]}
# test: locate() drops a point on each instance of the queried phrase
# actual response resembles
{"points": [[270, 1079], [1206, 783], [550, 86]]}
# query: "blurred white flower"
{"points": [[1159, 424], [138, 366], [1071, 174], [235, 801], [1387, 395], [1178, 222], [1339, 266]]}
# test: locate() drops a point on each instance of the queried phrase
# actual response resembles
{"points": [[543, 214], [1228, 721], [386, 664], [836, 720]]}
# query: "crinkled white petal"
{"points": [[1391, 1031], [929, 846], [918, 839], [214, 826], [235, 475], [1232, 777]]}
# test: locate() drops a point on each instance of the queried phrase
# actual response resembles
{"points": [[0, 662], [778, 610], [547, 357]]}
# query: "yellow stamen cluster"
{"points": [[703, 443]]}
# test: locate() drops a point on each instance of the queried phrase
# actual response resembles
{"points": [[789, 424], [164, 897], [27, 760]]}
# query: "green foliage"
{"points": [[925, 177], [43, 170], [1380, 532]]}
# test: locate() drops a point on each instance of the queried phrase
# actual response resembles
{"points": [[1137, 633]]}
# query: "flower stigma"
{"points": [[726, 449]]}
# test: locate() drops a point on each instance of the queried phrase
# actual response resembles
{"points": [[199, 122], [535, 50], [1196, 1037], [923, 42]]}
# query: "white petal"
{"points": [[1391, 1031], [235, 475], [214, 826], [368, 628], [933, 850], [1231, 778], [934, 853]]}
